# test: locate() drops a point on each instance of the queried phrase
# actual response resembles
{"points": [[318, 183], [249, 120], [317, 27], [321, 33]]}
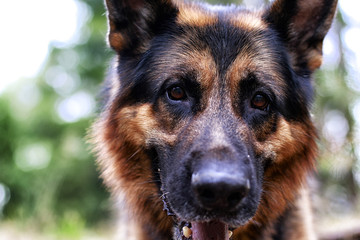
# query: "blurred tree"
{"points": [[334, 115], [45, 161]]}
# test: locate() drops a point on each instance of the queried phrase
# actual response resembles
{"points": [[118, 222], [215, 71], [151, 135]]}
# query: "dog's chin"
{"points": [[209, 225]]}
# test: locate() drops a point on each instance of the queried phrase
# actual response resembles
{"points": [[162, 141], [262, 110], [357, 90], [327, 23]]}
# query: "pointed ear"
{"points": [[133, 23], [302, 25]]}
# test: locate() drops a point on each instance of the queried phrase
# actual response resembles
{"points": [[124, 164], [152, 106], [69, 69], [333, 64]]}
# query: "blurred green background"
{"points": [[53, 60]]}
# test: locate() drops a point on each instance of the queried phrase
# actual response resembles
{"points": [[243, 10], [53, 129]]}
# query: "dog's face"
{"points": [[219, 104], [212, 104]]}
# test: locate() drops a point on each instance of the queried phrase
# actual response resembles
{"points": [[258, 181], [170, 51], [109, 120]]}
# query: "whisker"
{"points": [[133, 155]]}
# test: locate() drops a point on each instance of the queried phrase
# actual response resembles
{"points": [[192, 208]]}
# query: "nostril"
{"points": [[235, 198], [206, 194]]}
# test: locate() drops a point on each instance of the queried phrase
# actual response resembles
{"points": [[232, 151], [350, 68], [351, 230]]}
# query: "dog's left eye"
{"points": [[260, 101], [176, 93]]}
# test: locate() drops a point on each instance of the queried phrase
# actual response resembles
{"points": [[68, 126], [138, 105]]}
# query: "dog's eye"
{"points": [[176, 93], [260, 101]]}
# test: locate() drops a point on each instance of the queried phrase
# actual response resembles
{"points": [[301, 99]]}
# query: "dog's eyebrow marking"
{"points": [[249, 60], [199, 61]]}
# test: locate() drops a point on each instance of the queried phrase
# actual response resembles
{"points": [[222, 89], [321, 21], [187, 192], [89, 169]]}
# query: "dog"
{"points": [[206, 131]]}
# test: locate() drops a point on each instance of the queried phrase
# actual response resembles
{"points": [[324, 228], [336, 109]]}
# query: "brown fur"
{"points": [[124, 131]]}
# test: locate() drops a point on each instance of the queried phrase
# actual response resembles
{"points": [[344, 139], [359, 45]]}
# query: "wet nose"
{"points": [[216, 190]]}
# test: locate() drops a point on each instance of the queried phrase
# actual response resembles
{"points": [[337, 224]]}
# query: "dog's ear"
{"points": [[133, 23], [302, 25]]}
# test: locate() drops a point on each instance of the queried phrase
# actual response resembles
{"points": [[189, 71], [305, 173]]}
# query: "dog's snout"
{"points": [[215, 190]]}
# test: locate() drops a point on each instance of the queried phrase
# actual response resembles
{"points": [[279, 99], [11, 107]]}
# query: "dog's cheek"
{"points": [[168, 120], [291, 154], [289, 140], [121, 135], [136, 124], [124, 138]]}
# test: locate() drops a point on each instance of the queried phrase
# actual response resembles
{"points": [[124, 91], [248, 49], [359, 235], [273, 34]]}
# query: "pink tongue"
{"points": [[209, 231]]}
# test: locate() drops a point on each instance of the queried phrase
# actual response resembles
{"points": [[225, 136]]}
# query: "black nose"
{"points": [[219, 191]]}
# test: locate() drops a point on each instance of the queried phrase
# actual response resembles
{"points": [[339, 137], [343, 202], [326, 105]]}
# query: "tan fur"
{"points": [[191, 14], [116, 39], [249, 21], [289, 140]]}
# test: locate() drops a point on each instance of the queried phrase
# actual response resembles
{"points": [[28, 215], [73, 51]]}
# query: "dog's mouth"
{"points": [[204, 230], [195, 230]]}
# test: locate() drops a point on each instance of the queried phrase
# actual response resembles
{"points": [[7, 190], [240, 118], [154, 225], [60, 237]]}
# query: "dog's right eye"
{"points": [[176, 93], [260, 101]]}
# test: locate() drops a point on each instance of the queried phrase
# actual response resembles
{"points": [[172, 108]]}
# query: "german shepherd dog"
{"points": [[206, 131]]}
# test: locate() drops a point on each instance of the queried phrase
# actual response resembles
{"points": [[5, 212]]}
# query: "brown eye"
{"points": [[176, 93], [260, 101]]}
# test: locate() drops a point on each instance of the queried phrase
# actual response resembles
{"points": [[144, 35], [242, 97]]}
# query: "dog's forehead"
{"points": [[224, 42]]}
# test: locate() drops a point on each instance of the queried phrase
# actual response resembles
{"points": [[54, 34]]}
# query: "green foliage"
{"points": [[45, 160]]}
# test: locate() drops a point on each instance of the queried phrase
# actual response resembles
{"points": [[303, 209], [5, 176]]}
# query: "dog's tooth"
{"points": [[186, 231], [230, 233]]}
